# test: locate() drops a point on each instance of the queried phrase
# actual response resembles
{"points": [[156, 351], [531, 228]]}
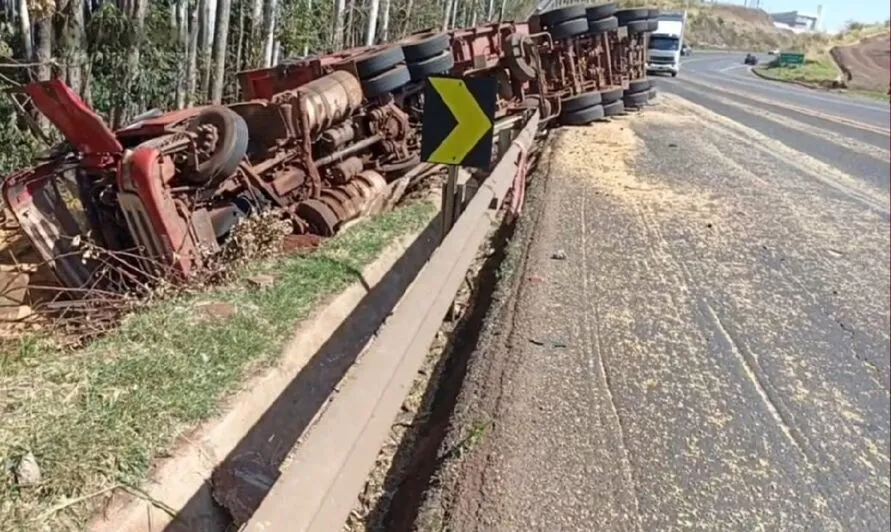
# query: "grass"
{"points": [[97, 417], [816, 71]]}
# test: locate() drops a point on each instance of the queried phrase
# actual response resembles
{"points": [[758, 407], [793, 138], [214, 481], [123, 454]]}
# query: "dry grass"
{"points": [[94, 418]]}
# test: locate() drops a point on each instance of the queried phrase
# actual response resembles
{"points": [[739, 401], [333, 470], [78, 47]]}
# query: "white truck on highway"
{"points": [[666, 43]]}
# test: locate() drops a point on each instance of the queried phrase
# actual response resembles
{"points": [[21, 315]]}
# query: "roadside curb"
{"points": [[804, 84], [181, 484]]}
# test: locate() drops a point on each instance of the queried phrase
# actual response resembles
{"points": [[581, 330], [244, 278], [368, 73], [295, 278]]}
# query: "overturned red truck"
{"points": [[318, 138]]}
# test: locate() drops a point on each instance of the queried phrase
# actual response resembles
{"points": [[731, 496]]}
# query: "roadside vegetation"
{"points": [[818, 72], [79, 422], [822, 70]]}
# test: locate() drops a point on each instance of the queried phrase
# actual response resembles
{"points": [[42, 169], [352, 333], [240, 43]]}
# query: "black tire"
{"points": [[674, 74], [637, 99], [569, 29], [521, 54], [638, 26], [651, 94], [386, 82], [372, 64], [231, 145], [627, 15], [582, 116], [438, 64], [610, 96], [652, 24], [639, 85], [424, 46], [596, 27], [600, 11], [614, 109], [581, 101], [556, 16]]}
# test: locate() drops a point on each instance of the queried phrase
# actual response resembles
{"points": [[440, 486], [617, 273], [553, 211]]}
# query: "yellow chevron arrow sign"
{"points": [[469, 104]]}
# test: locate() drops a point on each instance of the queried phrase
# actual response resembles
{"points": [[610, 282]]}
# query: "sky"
{"points": [[835, 12]]}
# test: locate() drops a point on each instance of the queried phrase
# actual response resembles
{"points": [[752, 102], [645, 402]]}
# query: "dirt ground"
{"points": [[869, 62]]}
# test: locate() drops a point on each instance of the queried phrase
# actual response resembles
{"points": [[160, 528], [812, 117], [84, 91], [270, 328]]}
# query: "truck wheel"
{"points": [[222, 140], [424, 46], [431, 66], [638, 99], [651, 95], [610, 96], [582, 101], [370, 65], [652, 24], [614, 109], [601, 11], [596, 27], [636, 86], [569, 29], [638, 26], [522, 57], [582, 117], [627, 15], [386, 82], [563, 14]]}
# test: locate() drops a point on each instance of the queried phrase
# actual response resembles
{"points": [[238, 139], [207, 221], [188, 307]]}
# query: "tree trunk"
{"points": [[254, 45], [451, 5], [385, 23], [182, 35], [339, 16], [43, 50], [270, 8], [221, 39], [409, 4], [350, 33], [72, 43], [140, 7], [25, 28], [490, 10], [192, 56], [371, 29], [204, 44], [239, 46]]}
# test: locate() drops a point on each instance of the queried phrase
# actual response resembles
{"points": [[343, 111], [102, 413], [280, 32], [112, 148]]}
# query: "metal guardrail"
{"points": [[330, 467]]}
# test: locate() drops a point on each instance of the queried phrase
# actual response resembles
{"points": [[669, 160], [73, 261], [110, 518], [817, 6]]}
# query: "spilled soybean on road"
{"points": [[699, 338]]}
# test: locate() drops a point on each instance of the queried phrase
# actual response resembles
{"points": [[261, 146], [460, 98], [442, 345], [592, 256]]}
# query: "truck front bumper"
{"points": [[662, 67]]}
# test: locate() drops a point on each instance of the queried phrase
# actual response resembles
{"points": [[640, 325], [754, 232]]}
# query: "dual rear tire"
{"points": [[590, 106]]}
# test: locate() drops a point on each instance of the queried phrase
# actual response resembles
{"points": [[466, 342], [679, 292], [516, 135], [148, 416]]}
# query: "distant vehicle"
{"points": [[775, 51], [750, 60], [686, 50], [667, 43]]}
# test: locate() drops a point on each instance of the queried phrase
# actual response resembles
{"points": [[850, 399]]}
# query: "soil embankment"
{"points": [[866, 64]]}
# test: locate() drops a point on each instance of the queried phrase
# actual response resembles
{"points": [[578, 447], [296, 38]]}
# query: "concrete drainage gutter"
{"points": [[318, 490]]}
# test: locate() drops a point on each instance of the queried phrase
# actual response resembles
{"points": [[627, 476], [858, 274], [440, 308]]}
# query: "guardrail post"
{"points": [[447, 213], [454, 197]]}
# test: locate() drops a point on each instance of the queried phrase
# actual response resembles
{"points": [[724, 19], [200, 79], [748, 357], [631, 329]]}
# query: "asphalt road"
{"points": [[699, 337], [849, 133]]}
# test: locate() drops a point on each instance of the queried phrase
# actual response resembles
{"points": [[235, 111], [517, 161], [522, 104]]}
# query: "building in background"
{"points": [[797, 21]]}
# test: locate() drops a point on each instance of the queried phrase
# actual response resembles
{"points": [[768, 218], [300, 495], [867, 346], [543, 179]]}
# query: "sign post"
{"points": [[457, 130]]}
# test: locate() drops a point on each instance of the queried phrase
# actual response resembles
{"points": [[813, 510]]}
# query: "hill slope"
{"points": [[732, 26], [867, 64]]}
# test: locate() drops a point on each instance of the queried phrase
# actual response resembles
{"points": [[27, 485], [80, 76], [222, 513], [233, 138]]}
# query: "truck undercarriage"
{"points": [[317, 140]]}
